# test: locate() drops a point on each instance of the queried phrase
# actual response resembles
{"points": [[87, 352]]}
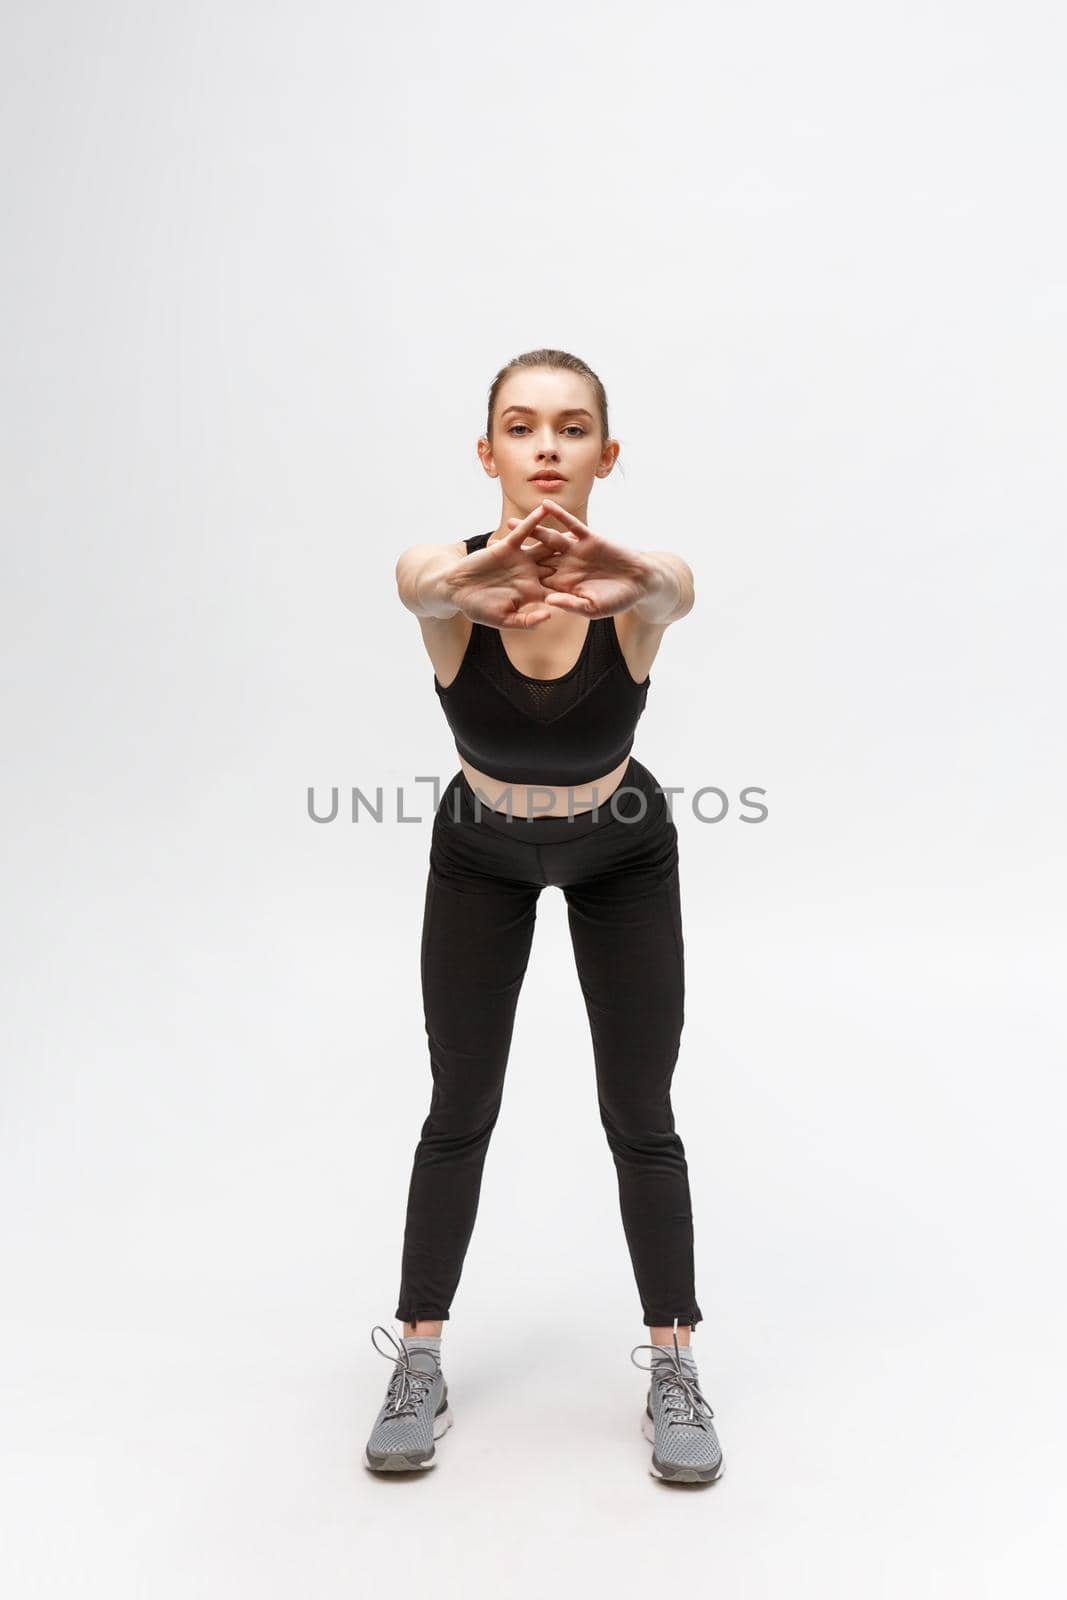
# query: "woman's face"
{"points": [[546, 421]]}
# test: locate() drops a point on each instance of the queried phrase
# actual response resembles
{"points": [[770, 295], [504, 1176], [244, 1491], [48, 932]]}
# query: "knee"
{"points": [[458, 1123], [639, 1127]]}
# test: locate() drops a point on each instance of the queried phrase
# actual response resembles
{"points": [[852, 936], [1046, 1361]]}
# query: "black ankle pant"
{"points": [[618, 869]]}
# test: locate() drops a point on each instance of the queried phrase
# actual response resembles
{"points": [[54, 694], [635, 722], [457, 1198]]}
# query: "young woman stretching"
{"points": [[542, 633]]}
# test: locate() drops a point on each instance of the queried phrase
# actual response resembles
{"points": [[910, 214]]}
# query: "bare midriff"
{"points": [[542, 799]]}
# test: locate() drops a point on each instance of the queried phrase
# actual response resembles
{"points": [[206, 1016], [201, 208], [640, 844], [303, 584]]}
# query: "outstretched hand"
{"points": [[588, 573], [503, 584]]}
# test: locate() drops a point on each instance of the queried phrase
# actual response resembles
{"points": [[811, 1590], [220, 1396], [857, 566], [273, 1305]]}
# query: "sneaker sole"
{"points": [[397, 1461], [673, 1473]]}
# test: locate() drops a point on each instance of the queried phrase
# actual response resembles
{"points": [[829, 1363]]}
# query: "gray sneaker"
{"points": [[677, 1418], [414, 1413]]}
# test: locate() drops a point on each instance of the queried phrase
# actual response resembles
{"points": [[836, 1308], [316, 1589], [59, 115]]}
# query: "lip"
{"points": [[548, 477]]}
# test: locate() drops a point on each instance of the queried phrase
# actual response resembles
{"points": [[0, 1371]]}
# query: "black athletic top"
{"points": [[563, 731]]}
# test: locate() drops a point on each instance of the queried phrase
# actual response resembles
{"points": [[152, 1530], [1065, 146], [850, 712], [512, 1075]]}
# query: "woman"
{"points": [[542, 633]]}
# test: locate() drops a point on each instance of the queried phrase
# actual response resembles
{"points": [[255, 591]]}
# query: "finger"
{"points": [[578, 528], [568, 602], [555, 537], [555, 540], [524, 525], [541, 553]]}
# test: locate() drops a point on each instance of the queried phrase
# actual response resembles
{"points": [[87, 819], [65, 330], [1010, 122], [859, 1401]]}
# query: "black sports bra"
{"points": [[558, 731]]}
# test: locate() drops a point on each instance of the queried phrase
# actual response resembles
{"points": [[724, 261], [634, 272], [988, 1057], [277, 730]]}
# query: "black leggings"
{"points": [[618, 869]]}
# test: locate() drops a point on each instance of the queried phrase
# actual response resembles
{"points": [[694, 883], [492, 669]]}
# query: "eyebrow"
{"points": [[570, 411]]}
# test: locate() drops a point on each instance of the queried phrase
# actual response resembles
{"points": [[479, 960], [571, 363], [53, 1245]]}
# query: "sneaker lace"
{"points": [[679, 1387], [408, 1386]]}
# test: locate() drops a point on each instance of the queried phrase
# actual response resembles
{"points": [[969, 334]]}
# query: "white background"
{"points": [[261, 264]]}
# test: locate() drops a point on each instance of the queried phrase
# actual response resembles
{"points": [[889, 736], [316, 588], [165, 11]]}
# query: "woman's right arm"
{"points": [[423, 578]]}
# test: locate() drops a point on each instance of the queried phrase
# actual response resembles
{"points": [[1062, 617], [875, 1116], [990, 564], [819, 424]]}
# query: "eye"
{"points": [[576, 426]]}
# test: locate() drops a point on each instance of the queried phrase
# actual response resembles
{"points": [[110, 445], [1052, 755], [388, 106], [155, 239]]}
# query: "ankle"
{"points": [[666, 1336]]}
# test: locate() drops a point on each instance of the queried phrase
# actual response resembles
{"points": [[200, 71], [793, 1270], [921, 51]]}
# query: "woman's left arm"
{"points": [[667, 588]]}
